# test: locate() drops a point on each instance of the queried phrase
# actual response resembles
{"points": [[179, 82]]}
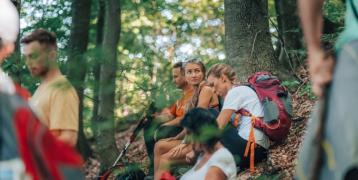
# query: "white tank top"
{"points": [[221, 159]]}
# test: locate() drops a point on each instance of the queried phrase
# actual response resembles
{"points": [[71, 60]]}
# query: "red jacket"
{"points": [[43, 156]]}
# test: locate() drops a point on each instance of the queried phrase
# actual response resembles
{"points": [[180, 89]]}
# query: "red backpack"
{"points": [[276, 103], [27, 147]]}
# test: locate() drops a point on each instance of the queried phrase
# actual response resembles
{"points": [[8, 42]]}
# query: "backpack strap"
{"points": [[251, 142]]}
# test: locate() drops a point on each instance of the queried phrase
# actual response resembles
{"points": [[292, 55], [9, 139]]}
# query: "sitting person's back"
{"points": [[243, 97]]}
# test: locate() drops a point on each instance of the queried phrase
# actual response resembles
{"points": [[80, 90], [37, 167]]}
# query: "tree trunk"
{"points": [[97, 65], [289, 34], [15, 71], [104, 132], [77, 63], [247, 38]]}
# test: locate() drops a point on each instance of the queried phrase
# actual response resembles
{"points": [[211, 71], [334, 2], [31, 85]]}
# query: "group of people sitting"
{"points": [[197, 130]]}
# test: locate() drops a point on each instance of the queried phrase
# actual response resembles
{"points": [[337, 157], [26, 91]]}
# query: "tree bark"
{"points": [[104, 132], [15, 71], [289, 34], [97, 65], [247, 38], [77, 63]]}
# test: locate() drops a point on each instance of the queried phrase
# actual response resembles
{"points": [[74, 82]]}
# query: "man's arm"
{"points": [[168, 110], [320, 67], [174, 122], [66, 136], [167, 115], [64, 115], [312, 22]]}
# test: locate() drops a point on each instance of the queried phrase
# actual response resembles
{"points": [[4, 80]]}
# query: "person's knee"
{"points": [[159, 147], [165, 161]]}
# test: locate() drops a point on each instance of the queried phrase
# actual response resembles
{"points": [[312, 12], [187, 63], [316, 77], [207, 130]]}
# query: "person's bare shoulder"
{"points": [[207, 90]]}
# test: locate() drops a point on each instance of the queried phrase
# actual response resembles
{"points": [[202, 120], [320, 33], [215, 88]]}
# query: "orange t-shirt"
{"points": [[178, 108]]}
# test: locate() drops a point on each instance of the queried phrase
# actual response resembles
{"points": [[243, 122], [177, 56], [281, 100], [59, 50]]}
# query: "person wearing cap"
{"points": [[28, 150], [55, 100]]}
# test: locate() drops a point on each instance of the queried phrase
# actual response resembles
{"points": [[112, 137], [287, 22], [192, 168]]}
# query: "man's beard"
{"points": [[42, 72]]}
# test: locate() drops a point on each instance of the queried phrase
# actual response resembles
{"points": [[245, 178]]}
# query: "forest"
{"points": [[118, 55]]}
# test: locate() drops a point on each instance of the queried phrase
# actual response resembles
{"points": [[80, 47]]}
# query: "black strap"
{"points": [[221, 103]]}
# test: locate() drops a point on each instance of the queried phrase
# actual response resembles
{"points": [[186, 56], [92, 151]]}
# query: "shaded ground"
{"points": [[136, 153], [281, 159]]}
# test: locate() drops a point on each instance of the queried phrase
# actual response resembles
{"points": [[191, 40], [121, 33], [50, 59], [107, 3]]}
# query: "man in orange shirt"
{"points": [[167, 123]]}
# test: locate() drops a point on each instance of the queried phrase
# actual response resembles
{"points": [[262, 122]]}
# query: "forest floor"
{"points": [[281, 159]]}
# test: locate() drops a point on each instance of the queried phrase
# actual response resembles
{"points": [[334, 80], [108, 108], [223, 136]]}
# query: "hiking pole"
{"points": [[131, 139], [322, 118]]}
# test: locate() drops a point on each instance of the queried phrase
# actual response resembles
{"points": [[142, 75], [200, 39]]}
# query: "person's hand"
{"points": [[321, 70], [155, 114], [166, 111], [177, 150], [190, 157], [165, 124], [162, 118]]}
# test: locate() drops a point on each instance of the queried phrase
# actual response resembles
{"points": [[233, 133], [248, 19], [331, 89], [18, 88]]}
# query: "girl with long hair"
{"points": [[174, 150], [222, 78]]}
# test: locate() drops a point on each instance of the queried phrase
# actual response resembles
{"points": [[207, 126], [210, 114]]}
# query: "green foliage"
{"points": [[303, 89], [51, 15], [335, 10], [271, 8], [154, 35], [269, 177], [127, 171], [306, 90], [291, 85]]}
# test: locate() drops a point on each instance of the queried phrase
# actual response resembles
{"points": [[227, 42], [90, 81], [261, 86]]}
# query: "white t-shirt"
{"points": [[243, 97], [222, 159]]}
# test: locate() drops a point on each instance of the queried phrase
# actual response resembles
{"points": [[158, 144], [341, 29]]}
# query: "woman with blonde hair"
{"points": [[235, 138], [174, 150]]}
